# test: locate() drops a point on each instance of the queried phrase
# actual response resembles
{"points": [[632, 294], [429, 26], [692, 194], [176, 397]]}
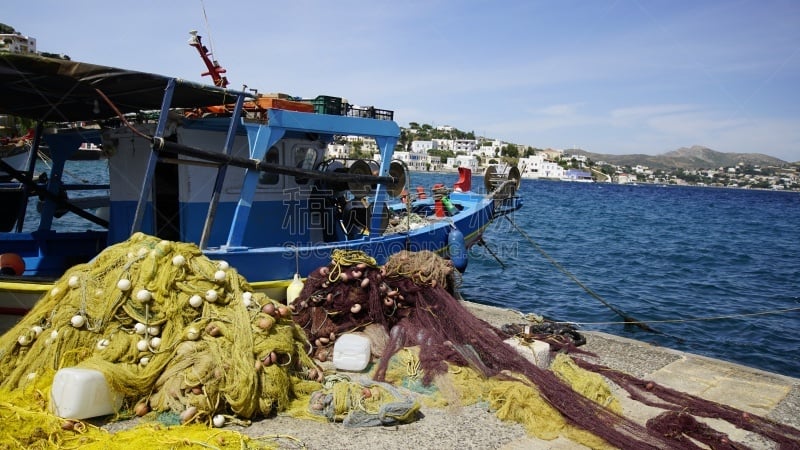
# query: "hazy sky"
{"points": [[605, 76]]}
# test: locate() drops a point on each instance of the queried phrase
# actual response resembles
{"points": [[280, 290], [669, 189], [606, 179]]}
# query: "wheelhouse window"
{"points": [[270, 178], [304, 158]]}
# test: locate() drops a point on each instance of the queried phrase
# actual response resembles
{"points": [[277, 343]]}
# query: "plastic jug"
{"points": [[351, 352], [82, 393]]}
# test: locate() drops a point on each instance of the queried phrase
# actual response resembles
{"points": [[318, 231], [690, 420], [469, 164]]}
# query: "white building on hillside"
{"points": [[335, 150], [17, 43], [463, 161], [537, 166], [423, 146], [467, 146], [417, 162]]}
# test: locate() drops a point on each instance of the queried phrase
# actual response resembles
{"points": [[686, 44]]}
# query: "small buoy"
{"points": [[196, 301], [155, 343], [102, 344], [192, 333], [219, 275], [223, 265], [24, 340], [55, 291], [178, 260], [144, 296], [74, 281], [163, 247], [247, 299], [140, 328], [213, 330], [154, 330], [124, 284], [37, 330], [211, 295], [264, 323], [269, 308], [218, 420], [141, 409], [11, 264], [77, 320], [294, 288], [188, 414], [457, 249], [142, 345], [284, 311], [54, 335]]}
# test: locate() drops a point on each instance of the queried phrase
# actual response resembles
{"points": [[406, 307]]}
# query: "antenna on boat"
{"points": [[214, 69]]}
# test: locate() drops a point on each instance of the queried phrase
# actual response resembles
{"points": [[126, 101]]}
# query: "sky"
{"points": [[605, 76]]}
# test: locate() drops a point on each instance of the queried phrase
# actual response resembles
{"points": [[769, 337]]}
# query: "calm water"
{"points": [[707, 268], [700, 265]]}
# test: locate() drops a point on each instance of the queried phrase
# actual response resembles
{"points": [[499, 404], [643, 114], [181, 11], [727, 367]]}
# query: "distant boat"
{"points": [[242, 176], [87, 151], [577, 176]]}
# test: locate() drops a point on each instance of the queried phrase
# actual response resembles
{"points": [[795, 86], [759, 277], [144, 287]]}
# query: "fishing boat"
{"points": [[244, 176]]}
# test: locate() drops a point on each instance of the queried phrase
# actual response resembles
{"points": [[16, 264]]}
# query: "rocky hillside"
{"points": [[696, 157]]}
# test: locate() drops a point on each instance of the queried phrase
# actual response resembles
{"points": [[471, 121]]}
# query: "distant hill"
{"points": [[695, 157]]}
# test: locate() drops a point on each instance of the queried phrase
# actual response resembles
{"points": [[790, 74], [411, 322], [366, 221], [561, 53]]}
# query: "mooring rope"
{"points": [[628, 320]]}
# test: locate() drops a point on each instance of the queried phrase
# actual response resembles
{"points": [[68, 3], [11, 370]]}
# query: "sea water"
{"points": [[712, 271]]}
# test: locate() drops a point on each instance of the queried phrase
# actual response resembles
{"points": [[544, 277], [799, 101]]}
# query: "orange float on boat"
{"points": [[11, 264]]}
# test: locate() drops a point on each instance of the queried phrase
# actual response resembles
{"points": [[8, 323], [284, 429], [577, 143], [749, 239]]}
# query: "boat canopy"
{"points": [[57, 90]]}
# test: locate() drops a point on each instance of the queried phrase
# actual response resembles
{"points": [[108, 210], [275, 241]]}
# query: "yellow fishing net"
{"points": [[171, 330], [28, 425], [512, 398]]}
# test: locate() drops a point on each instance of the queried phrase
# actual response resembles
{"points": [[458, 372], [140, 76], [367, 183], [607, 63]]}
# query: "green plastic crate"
{"points": [[324, 104]]}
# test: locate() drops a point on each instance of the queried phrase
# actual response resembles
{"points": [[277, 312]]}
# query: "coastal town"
{"points": [[444, 148]]}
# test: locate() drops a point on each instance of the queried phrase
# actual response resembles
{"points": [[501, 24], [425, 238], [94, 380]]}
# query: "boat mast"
{"points": [[214, 69]]}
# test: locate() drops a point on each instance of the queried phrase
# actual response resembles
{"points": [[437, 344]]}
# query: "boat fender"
{"points": [[11, 264], [294, 289], [457, 249]]}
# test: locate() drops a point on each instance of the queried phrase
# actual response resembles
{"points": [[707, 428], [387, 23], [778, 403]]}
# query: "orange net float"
{"points": [[11, 264]]}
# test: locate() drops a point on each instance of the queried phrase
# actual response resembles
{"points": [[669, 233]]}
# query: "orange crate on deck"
{"points": [[278, 103]]}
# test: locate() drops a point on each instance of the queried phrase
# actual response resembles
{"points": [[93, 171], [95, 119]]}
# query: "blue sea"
{"points": [[713, 271]]}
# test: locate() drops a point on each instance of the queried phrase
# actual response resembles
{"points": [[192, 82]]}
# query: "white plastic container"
{"points": [[537, 352], [82, 393], [351, 352]]}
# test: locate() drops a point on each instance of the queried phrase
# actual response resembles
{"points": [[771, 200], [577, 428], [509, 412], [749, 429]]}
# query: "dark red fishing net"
{"points": [[656, 395], [410, 298]]}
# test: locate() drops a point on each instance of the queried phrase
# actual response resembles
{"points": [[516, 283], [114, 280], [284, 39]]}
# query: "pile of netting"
{"points": [[409, 298], [408, 303], [171, 330]]}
